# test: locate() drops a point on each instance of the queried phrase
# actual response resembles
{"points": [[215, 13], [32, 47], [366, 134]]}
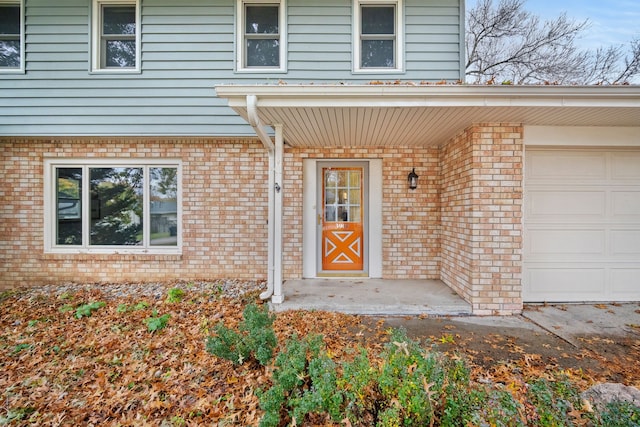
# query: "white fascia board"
{"points": [[386, 96]]}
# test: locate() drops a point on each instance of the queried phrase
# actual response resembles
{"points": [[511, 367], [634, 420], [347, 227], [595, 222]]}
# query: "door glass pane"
{"points": [[69, 206], [116, 206], [354, 179], [343, 213], [378, 20], [163, 205], [342, 195], [330, 196], [330, 213], [354, 214], [354, 197]]}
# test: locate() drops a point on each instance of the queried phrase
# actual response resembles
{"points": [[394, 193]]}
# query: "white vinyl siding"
{"points": [[11, 36], [116, 36], [113, 206], [186, 49], [582, 225]]}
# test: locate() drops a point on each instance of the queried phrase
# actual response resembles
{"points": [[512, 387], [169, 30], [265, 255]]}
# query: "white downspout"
{"points": [[256, 124], [278, 296], [274, 220], [270, 228]]}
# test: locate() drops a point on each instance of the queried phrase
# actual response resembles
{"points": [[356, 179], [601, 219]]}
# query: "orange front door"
{"points": [[342, 222]]}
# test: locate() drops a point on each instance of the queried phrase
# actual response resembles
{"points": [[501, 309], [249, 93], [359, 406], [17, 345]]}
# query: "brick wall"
{"points": [[224, 212], [462, 224], [457, 215], [482, 217]]}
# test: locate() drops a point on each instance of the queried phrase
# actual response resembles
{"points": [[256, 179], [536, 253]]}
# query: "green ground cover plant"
{"points": [[406, 384], [138, 360]]}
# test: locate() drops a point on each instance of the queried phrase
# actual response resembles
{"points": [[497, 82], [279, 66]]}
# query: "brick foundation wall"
{"points": [[224, 212], [482, 217]]}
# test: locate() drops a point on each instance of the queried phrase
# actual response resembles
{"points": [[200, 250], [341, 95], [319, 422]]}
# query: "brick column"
{"points": [[482, 217]]}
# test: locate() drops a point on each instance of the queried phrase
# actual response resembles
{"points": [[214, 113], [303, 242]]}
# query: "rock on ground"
{"points": [[602, 394]]}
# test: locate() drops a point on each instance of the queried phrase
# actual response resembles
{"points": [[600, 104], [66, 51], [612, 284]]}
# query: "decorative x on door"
{"points": [[342, 228]]}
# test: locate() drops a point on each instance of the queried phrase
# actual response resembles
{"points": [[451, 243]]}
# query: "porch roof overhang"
{"points": [[423, 115]]}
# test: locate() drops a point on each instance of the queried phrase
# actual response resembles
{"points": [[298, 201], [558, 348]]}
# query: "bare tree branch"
{"points": [[504, 42]]}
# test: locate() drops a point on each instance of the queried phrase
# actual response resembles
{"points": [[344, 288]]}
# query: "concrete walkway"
{"points": [[379, 297], [574, 322]]}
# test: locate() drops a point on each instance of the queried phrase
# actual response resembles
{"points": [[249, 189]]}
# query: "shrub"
{"points": [[619, 414], [304, 383], [554, 401], [254, 340]]}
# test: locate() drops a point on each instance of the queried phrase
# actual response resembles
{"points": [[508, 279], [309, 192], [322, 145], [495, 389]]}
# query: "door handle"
{"points": [[319, 219]]}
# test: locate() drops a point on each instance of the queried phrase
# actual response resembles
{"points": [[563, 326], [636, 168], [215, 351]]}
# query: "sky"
{"points": [[612, 22]]}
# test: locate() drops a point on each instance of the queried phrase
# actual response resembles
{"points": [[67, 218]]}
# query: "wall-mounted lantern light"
{"points": [[413, 179]]}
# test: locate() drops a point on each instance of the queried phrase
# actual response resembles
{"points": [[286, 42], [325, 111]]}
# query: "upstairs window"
{"points": [[116, 35], [113, 206], [11, 36], [261, 39], [378, 44]]}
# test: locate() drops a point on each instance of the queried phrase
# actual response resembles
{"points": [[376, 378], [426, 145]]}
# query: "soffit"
{"points": [[423, 116]]}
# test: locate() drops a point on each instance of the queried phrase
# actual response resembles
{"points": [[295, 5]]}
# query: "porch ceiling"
{"points": [[425, 115]]}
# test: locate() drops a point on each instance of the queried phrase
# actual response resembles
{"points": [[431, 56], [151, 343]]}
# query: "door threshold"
{"points": [[339, 275]]}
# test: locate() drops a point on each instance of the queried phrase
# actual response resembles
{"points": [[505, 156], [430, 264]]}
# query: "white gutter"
{"points": [[431, 96]]}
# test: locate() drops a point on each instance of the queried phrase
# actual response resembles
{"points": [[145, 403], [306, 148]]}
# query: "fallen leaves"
{"points": [[108, 368]]}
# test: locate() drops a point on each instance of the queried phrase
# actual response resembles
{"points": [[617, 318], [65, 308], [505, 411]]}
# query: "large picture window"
{"points": [[116, 35], [377, 44], [11, 36], [261, 36], [114, 206]]}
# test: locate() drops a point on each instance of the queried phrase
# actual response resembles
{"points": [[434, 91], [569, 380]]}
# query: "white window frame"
{"points": [[399, 37], [50, 207], [240, 36], [21, 68], [96, 35]]}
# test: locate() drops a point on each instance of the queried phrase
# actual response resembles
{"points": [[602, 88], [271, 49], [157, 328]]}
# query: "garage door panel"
{"points": [[553, 243], [625, 242], [555, 165], [565, 284], [625, 166], [625, 283], [626, 205], [563, 205]]}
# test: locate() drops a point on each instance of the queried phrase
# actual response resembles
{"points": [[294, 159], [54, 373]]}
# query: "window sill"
{"points": [[97, 256], [116, 72], [379, 71]]}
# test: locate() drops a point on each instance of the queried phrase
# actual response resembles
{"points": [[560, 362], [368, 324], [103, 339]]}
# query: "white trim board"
{"points": [[310, 212], [583, 136]]}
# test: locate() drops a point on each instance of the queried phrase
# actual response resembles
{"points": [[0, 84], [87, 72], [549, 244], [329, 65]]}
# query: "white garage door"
{"points": [[582, 225]]}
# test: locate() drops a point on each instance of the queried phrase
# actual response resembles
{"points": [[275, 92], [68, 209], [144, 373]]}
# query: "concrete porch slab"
{"points": [[373, 297]]}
